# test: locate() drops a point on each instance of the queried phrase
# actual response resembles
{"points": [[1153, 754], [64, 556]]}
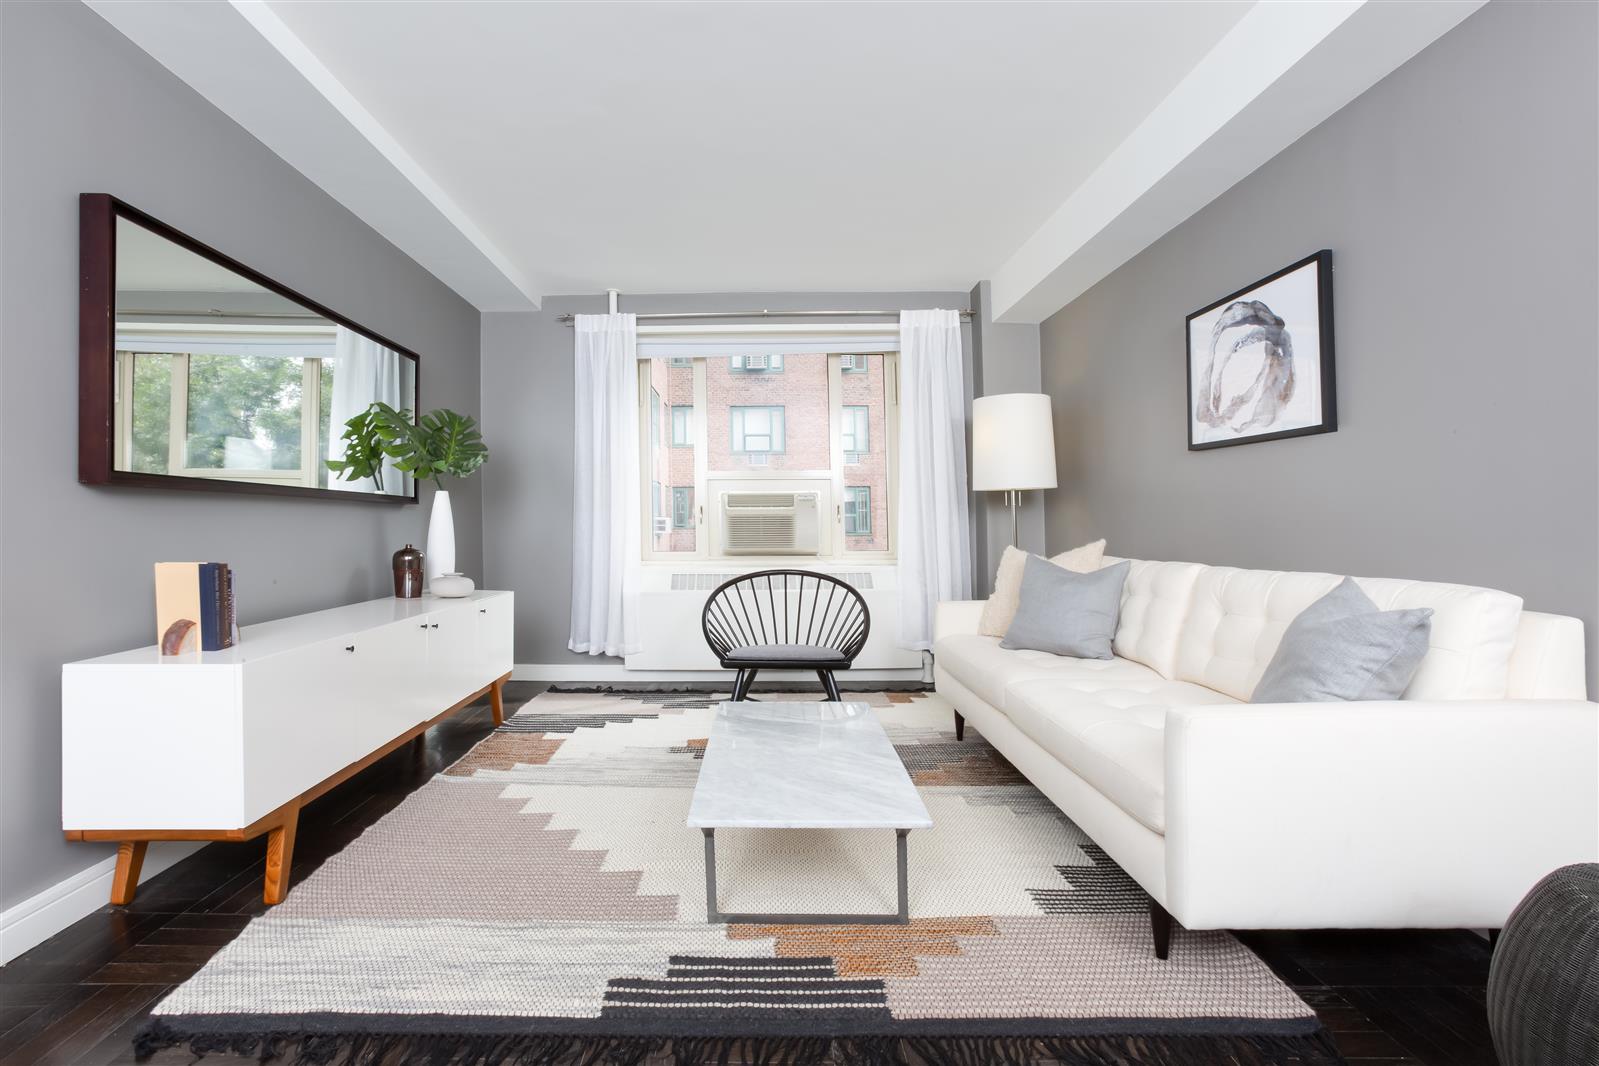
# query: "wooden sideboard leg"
{"points": [[125, 882], [960, 727], [497, 701], [279, 857]]}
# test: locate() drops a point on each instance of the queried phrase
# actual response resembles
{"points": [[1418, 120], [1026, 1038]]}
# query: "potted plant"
{"points": [[441, 443]]}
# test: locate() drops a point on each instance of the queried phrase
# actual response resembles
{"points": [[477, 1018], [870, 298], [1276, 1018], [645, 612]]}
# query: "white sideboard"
{"points": [[227, 745]]}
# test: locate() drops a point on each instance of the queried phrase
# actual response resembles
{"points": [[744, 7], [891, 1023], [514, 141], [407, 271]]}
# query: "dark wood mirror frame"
{"points": [[97, 296]]}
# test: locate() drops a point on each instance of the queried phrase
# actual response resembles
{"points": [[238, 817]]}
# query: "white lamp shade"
{"points": [[1013, 442]]}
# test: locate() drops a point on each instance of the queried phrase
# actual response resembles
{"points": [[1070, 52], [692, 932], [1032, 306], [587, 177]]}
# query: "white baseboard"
{"points": [[41, 916], [610, 673]]}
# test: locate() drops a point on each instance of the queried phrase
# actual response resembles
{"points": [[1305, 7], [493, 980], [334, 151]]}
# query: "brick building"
{"points": [[768, 415]]}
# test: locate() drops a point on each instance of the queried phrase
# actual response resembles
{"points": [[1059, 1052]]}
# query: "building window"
{"points": [[858, 511], [726, 426], [757, 430], [680, 361], [856, 432], [771, 364]]}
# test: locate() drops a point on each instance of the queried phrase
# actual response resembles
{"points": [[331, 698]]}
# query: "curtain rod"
{"points": [[567, 319]]}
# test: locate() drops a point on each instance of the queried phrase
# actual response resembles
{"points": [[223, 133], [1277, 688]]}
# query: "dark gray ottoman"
{"points": [[1543, 987]]}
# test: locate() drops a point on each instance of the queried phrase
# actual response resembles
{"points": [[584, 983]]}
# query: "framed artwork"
{"points": [[1260, 362]]}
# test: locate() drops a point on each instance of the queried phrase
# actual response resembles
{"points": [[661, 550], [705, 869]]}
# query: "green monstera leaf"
{"points": [[440, 443], [365, 440]]}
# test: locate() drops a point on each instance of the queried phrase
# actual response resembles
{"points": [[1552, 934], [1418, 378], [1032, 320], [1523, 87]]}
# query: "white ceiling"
{"points": [[758, 147], [520, 149]]}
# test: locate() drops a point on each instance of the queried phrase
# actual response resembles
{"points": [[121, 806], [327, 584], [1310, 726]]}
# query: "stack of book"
{"points": [[194, 607]]}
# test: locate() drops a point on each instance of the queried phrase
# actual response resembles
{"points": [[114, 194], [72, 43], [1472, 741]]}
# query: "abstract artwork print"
{"points": [[1260, 362]]}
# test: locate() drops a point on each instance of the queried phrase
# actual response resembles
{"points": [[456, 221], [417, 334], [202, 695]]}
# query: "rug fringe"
{"points": [[457, 1049]]}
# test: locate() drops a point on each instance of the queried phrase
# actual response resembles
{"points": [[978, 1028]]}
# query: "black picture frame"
{"points": [[1323, 364]]}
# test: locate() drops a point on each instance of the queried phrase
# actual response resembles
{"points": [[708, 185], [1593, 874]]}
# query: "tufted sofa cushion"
{"points": [[981, 665], [1237, 617], [1155, 600], [1113, 737]]}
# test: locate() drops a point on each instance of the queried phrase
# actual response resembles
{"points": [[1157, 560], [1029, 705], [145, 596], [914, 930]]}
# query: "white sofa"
{"points": [[1438, 810]]}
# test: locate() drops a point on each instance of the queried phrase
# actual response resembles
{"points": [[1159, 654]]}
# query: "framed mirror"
{"points": [[197, 372]]}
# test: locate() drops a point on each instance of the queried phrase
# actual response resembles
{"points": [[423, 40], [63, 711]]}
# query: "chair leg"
{"points": [[738, 686], [830, 683], [960, 727], [1160, 926]]}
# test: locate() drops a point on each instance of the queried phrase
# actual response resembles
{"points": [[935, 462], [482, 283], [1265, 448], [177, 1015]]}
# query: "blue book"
{"points": [[211, 610]]}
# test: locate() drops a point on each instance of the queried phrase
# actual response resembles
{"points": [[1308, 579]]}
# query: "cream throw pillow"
{"points": [[1000, 609]]}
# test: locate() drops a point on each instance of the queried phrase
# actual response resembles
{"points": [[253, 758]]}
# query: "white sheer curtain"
{"points": [[606, 543], [934, 535], [364, 372]]}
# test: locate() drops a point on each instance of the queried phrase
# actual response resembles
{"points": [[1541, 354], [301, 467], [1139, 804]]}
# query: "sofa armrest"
{"points": [[1379, 814], [956, 616]]}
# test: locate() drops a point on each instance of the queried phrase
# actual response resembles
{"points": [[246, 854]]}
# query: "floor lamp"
{"points": [[1013, 447]]}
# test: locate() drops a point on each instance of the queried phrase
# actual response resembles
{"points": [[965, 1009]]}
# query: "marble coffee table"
{"points": [[803, 766]]}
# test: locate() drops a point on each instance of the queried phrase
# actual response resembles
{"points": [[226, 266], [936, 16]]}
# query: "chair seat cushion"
{"points": [[797, 653], [1113, 737]]}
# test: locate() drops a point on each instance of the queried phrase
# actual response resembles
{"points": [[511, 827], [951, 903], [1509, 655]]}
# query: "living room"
{"points": [[879, 533]]}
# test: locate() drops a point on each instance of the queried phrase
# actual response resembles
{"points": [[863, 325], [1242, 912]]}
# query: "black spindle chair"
{"points": [[786, 620]]}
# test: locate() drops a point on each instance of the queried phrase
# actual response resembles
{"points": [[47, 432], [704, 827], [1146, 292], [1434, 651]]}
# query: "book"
{"points": [[230, 617], [211, 607], [177, 607], [194, 607]]}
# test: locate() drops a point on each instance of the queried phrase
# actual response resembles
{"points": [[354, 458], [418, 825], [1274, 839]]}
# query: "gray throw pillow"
{"points": [[1067, 613], [1343, 648]]}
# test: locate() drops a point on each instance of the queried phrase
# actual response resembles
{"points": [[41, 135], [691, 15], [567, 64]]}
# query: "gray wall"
{"points": [[1458, 198], [84, 110], [1006, 359], [527, 417]]}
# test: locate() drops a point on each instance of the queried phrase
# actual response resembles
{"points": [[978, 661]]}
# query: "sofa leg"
{"points": [[1160, 925], [960, 727]]}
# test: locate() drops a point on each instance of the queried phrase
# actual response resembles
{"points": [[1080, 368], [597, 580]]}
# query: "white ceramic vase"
{"points": [[439, 555]]}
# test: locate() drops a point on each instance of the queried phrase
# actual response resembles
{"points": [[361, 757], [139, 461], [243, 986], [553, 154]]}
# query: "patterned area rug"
{"points": [[542, 901]]}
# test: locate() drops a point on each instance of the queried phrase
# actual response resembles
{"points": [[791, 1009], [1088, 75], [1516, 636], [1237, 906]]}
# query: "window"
{"points": [[655, 415], [757, 429], [824, 425], [679, 361], [858, 511], [757, 363], [242, 417], [856, 432]]}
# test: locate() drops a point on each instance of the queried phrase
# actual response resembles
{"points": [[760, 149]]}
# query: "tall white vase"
{"points": [[439, 555]]}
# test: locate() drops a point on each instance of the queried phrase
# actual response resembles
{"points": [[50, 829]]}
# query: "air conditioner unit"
{"points": [[770, 523]]}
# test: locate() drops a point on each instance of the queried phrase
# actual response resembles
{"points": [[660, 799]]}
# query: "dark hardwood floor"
{"points": [[1389, 998]]}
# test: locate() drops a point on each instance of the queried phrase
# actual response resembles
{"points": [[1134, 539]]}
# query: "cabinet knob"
{"points": [[435, 625], [482, 610], [349, 647], [424, 625]]}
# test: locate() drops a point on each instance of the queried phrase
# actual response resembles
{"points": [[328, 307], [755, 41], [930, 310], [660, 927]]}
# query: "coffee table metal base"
{"points": [[713, 915]]}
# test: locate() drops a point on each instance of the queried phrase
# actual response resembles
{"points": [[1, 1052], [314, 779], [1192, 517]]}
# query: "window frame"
{"points": [[303, 476], [686, 438], [737, 413], [852, 502], [685, 495]]}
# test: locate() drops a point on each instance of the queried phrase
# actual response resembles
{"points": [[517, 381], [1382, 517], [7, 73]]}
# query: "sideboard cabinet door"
{"points": [[393, 689], [301, 720], [494, 638]]}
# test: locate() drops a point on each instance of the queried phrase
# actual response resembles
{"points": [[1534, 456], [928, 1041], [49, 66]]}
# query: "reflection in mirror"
{"points": [[219, 377]]}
